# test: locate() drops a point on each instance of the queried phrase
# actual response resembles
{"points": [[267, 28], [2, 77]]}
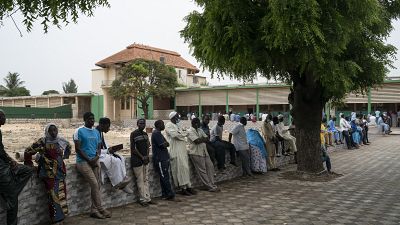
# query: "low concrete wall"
{"points": [[33, 200]]}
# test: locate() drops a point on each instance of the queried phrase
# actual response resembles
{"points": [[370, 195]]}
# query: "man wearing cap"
{"points": [[176, 137]]}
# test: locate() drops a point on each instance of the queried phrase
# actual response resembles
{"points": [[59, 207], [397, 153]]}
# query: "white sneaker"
{"points": [[128, 190]]}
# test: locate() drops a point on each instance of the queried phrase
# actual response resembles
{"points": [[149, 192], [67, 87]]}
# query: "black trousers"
{"points": [[347, 138], [220, 148], [12, 181], [211, 152], [162, 168]]}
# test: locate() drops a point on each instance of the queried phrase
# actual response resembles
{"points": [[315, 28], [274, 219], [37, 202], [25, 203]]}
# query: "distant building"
{"points": [[103, 77], [50, 106]]}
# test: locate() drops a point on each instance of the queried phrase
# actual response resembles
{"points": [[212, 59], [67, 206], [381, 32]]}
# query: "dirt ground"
{"points": [[17, 137]]}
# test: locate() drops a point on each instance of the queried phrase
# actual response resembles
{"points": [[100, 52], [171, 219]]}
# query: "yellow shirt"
{"points": [[322, 134]]}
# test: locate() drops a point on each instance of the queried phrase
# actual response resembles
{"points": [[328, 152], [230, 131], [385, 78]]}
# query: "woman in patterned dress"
{"points": [[52, 150]]}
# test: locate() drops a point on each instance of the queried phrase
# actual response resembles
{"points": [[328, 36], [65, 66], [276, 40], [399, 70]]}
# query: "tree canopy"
{"points": [[49, 92], [142, 79], [49, 12], [70, 87], [323, 48], [13, 86]]}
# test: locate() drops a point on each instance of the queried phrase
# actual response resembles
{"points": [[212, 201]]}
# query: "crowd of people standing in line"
{"points": [[173, 147]]}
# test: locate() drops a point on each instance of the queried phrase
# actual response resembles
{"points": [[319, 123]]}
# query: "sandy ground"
{"points": [[17, 137]]}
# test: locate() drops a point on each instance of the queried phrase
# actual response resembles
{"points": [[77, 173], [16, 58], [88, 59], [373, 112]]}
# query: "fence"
{"points": [[61, 112]]}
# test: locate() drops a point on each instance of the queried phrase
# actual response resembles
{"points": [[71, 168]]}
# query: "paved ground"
{"points": [[368, 193]]}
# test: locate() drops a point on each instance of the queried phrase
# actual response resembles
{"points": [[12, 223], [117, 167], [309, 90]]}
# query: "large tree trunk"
{"points": [[307, 102]]}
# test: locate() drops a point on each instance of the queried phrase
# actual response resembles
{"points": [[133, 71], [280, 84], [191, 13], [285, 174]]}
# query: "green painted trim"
{"points": [[97, 106], [391, 81], [369, 100], [139, 111], [216, 88], [257, 104], [180, 89], [227, 102], [200, 108]]}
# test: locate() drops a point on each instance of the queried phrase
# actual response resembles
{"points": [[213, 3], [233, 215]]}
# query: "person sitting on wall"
{"points": [[332, 129], [220, 145], [112, 164], [284, 133], [210, 148], [88, 145], [52, 150]]}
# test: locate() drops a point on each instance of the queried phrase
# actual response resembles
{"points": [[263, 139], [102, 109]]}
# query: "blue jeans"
{"points": [[327, 161]]}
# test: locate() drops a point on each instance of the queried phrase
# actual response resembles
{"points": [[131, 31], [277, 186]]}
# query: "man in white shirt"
{"points": [[242, 146], [284, 133], [220, 145], [344, 127]]}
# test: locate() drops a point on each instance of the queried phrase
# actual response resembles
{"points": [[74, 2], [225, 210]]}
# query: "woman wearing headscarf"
{"points": [[52, 150]]}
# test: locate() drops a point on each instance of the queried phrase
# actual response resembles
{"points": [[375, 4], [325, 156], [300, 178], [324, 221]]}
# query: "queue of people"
{"points": [[173, 148]]}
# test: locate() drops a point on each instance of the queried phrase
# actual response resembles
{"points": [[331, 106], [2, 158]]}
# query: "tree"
{"points": [[49, 92], [70, 87], [323, 48], [142, 79], [49, 12], [13, 86]]}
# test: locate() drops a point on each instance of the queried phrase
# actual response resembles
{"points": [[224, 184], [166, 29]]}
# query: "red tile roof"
{"points": [[136, 51]]}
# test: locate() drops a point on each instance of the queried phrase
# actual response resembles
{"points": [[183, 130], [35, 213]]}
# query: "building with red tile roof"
{"points": [[102, 78]]}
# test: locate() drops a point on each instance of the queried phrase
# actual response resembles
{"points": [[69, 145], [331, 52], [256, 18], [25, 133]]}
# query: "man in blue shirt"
{"points": [[88, 145]]}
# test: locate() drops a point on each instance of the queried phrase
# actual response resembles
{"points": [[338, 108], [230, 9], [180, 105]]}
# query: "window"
{"points": [[125, 103], [128, 103], [195, 80], [122, 103], [180, 73]]}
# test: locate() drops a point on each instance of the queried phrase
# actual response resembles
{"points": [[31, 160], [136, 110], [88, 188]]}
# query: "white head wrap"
{"points": [[172, 114]]}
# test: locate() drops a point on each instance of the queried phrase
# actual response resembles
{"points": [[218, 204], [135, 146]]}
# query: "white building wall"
{"points": [[98, 75], [181, 76]]}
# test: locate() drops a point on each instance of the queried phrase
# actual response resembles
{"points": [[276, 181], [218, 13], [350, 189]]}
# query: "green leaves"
{"points": [[144, 78], [339, 43], [53, 12], [13, 86], [70, 87]]}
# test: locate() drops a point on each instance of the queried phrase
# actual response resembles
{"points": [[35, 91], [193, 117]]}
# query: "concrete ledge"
{"points": [[33, 199]]}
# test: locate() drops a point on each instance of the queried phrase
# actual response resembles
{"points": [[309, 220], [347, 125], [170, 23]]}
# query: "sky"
{"points": [[45, 61]]}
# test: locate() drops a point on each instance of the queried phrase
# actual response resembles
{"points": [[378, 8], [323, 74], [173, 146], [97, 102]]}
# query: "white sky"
{"points": [[44, 61]]}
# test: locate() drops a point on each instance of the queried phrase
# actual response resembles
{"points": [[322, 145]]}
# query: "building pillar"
{"points": [[227, 103], [35, 102], [290, 115], [114, 109], [257, 105], [62, 101], [200, 108], [369, 100], [48, 102], [13, 101]]}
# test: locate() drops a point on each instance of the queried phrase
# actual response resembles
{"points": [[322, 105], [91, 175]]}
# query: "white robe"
{"points": [[179, 154], [112, 167]]}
